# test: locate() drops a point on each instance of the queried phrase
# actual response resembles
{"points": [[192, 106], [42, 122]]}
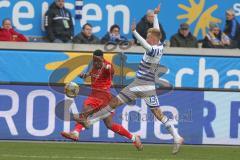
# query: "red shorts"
{"points": [[97, 100]]}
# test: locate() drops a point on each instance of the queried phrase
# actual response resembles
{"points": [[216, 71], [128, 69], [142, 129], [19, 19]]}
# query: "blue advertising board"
{"points": [[27, 15], [62, 67], [201, 117], [198, 71]]}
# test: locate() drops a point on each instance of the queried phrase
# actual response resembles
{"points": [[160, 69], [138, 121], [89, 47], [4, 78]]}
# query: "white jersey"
{"points": [[151, 58], [149, 63]]}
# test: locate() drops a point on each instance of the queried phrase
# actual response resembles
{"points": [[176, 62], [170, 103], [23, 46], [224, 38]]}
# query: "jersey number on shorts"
{"points": [[152, 101]]}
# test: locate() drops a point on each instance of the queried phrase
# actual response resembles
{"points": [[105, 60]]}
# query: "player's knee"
{"points": [[154, 110], [114, 102], [87, 110]]}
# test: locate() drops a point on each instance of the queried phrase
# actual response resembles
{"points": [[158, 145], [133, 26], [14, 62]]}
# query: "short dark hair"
{"points": [[98, 52], [6, 19], [114, 26], [87, 24]]}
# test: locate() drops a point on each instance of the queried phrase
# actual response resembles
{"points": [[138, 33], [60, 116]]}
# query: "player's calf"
{"points": [[178, 140]]}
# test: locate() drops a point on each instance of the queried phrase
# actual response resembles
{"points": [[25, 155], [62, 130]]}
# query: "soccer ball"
{"points": [[71, 89]]}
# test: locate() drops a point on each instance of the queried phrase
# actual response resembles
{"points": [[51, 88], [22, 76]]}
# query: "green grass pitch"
{"points": [[112, 151]]}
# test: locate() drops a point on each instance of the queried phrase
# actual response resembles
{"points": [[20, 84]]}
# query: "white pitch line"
{"points": [[60, 157], [127, 143]]}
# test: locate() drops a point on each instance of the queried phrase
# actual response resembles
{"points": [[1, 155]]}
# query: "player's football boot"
{"points": [[70, 135], [138, 144], [177, 144]]}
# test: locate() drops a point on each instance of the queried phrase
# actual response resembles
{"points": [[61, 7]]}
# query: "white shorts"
{"points": [[140, 89]]}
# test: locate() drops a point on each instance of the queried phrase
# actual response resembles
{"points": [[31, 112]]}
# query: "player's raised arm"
{"points": [[141, 40], [156, 11]]}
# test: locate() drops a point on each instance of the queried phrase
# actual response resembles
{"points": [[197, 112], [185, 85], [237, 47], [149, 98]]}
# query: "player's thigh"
{"points": [[127, 94]]}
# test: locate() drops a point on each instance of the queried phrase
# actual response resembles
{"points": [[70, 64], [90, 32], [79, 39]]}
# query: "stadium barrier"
{"points": [[204, 104]]}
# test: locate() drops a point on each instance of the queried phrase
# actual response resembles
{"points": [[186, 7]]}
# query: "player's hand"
{"points": [[133, 25], [108, 66], [157, 10], [83, 75]]}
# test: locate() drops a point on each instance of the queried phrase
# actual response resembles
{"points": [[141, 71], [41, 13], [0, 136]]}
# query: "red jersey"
{"points": [[101, 79], [11, 35]]}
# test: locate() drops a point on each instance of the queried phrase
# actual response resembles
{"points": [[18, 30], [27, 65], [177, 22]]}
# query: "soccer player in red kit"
{"points": [[101, 80]]}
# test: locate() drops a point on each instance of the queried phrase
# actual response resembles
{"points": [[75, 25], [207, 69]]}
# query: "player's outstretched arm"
{"points": [[141, 40]]}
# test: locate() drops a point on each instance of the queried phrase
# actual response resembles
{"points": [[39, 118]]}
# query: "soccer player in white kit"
{"points": [[144, 84]]}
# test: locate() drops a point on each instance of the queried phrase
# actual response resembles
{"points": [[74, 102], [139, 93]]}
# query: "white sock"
{"points": [[170, 127], [101, 114], [76, 133], [133, 138]]}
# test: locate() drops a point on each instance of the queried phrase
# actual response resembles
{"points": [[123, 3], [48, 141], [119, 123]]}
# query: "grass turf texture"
{"points": [[91, 151]]}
